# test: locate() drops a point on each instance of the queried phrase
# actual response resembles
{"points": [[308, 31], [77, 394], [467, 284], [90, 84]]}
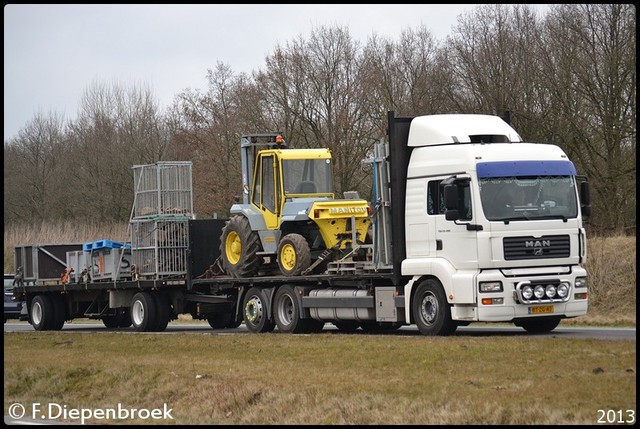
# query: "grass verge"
{"points": [[324, 378]]}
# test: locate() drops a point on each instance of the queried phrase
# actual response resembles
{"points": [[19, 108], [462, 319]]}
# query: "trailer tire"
{"points": [[287, 312], [164, 312], [539, 325], [431, 311], [59, 313], [294, 254], [41, 312], [144, 312], [239, 247], [254, 310], [110, 322]]}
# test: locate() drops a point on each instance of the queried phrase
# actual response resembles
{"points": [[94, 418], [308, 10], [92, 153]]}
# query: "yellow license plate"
{"points": [[542, 309]]}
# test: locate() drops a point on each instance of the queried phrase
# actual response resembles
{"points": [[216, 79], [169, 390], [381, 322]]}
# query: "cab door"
{"points": [[266, 192]]}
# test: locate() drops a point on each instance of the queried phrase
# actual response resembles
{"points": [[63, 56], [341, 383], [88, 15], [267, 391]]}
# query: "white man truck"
{"points": [[467, 223]]}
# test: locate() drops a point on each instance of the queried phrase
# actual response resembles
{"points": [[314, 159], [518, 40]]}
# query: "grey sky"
{"points": [[53, 53]]}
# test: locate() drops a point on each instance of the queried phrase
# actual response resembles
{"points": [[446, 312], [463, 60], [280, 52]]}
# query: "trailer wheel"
{"points": [[294, 254], [239, 247], [287, 312], [255, 312], [41, 313], [164, 312], [431, 311], [144, 312], [539, 325]]}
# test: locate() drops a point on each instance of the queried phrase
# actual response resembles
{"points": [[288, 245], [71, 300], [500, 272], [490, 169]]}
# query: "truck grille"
{"points": [[550, 246]]}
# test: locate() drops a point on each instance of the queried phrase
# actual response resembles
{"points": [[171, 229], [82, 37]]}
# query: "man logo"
{"points": [[537, 251]]}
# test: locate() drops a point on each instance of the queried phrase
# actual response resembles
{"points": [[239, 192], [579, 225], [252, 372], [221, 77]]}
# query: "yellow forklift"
{"points": [[289, 213]]}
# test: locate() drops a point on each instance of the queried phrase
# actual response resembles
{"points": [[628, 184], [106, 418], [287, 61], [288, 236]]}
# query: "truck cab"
{"points": [[493, 221]]}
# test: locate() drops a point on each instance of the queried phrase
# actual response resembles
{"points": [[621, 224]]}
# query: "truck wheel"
{"points": [[539, 326], [144, 312], [239, 247], [164, 312], [431, 310], [41, 313], [255, 312], [287, 311], [294, 255]]}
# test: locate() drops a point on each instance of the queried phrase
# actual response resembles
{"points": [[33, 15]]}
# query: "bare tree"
{"points": [[116, 129], [316, 86], [209, 129], [589, 58], [35, 162]]}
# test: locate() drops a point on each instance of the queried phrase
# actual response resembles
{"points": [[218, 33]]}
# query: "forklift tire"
{"points": [[294, 254], [239, 248]]}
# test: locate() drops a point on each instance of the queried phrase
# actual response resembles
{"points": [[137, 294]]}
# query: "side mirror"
{"points": [[451, 197]]}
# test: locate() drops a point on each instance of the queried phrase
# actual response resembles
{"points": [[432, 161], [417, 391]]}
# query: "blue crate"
{"points": [[104, 244]]}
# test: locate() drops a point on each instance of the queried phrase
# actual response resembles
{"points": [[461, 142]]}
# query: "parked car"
{"points": [[12, 309]]}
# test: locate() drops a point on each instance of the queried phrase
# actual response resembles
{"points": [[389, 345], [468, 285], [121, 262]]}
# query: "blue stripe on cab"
{"points": [[526, 168]]}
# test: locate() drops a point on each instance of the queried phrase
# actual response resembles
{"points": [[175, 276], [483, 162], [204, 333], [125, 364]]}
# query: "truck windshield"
{"points": [[307, 176], [528, 198]]}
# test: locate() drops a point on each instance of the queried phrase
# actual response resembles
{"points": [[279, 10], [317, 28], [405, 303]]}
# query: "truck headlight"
{"points": [[527, 292], [581, 282], [538, 291], [490, 286], [563, 290], [550, 291]]}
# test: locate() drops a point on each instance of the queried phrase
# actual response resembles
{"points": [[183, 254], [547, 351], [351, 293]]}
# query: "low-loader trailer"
{"points": [[466, 223]]}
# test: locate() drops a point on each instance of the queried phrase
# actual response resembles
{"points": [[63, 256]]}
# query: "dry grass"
{"points": [[328, 378]]}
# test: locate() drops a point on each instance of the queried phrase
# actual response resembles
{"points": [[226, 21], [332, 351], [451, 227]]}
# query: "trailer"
{"points": [[446, 243]]}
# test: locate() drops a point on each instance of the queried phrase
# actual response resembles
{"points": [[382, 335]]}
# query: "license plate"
{"points": [[541, 309]]}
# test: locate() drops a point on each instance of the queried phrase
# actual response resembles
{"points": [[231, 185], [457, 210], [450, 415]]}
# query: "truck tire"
{"points": [[255, 312], [294, 254], [287, 312], [239, 247], [539, 325], [431, 311], [41, 312], [144, 312]]}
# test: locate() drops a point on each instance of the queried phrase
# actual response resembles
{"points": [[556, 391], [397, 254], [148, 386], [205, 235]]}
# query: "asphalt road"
{"points": [[479, 330]]}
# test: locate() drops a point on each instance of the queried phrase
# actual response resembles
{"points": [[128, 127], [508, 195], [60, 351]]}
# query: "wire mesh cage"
{"points": [[163, 188], [163, 206]]}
